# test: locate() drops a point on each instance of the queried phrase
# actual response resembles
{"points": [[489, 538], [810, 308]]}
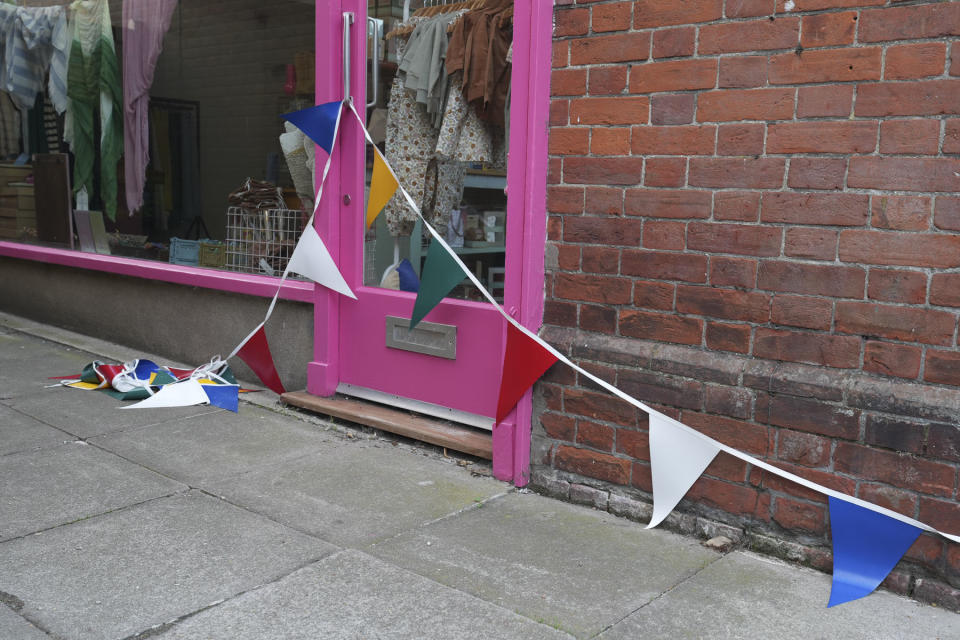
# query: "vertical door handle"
{"points": [[375, 26], [347, 23]]}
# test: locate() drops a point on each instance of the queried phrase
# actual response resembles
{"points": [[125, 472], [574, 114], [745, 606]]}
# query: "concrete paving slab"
{"points": [[43, 489], [86, 414], [572, 567], [359, 493], [749, 596], [18, 325], [29, 362], [14, 627], [22, 433], [120, 574], [201, 448], [351, 595], [15, 346]]}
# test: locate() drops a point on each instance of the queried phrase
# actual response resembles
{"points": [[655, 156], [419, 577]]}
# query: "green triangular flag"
{"points": [[441, 274]]}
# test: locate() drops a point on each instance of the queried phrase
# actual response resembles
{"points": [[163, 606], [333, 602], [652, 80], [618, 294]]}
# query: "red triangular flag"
{"points": [[256, 353], [524, 361]]}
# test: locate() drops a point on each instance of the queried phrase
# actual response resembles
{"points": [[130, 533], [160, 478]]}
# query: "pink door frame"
{"points": [[526, 184]]}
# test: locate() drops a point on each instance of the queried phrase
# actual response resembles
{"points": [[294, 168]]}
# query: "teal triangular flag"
{"points": [[162, 378], [134, 394], [441, 274]]}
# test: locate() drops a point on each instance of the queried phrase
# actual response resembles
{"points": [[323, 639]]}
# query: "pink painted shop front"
{"points": [[350, 348], [362, 347]]}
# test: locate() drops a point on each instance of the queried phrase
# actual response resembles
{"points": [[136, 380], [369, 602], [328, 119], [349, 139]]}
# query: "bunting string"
{"points": [[678, 454], [309, 224], [313, 214], [436, 237]]}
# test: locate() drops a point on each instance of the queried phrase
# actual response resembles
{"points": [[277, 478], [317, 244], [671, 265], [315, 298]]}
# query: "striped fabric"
{"points": [[34, 40], [9, 128]]}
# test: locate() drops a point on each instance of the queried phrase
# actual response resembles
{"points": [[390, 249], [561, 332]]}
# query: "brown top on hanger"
{"points": [[478, 47], [435, 10]]}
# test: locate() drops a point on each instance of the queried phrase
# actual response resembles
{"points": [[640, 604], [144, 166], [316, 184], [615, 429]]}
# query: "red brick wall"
{"points": [[753, 224]]}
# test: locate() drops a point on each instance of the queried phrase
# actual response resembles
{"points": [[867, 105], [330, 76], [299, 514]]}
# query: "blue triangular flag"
{"points": [[866, 547], [225, 396], [318, 123], [144, 368], [408, 277]]}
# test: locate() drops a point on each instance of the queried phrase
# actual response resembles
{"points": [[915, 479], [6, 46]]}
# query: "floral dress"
{"points": [[436, 185]]}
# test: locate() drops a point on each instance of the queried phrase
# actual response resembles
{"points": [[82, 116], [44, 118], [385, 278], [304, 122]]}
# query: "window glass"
{"points": [[224, 184], [443, 130]]}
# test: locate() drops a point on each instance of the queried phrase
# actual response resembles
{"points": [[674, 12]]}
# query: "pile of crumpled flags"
{"points": [[156, 386]]}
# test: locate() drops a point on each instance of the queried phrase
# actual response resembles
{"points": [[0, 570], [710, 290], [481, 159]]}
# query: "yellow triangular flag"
{"points": [[382, 187]]}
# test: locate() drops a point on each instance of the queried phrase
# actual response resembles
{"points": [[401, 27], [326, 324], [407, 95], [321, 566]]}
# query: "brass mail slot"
{"points": [[428, 338]]}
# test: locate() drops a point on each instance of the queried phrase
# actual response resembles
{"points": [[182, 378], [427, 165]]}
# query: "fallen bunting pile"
{"points": [[161, 386]]}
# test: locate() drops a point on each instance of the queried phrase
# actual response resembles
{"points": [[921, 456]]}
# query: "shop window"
{"points": [[225, 184], [447, 143]]}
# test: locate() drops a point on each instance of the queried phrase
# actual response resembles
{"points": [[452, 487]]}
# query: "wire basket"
{"points": [[261, 240]]}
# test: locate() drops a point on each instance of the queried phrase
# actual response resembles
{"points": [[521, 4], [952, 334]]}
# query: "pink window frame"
{"points": [[526, 184], [244, 283]]}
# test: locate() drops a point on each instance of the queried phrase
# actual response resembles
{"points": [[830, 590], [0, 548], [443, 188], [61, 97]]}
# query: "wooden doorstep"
{"points": [[403, 423]]}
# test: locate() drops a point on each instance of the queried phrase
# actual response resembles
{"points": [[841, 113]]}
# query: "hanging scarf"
{"points": [[145, 23], [94, 82]]}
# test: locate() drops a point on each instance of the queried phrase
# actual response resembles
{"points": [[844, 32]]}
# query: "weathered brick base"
{"points": [[906, 580], [887, 441], [754, 224]]}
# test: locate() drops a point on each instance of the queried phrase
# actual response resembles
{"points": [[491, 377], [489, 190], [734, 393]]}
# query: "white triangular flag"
{"points": [[677, 459], [311, 259], [179, 394]]}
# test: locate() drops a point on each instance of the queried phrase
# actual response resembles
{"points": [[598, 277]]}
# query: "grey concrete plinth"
{"points": [[14, 627], [569, 566], [42, 489], [749, 596], [122, 573], [217, 445], [22, 433], [352, 595], [90, 413], [359, 493]]}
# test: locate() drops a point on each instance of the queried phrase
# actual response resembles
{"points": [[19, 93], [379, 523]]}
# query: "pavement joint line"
{"points": [[204, 491], [472, 596], [163, 627], [663, 593], [107, 433], [285, 525], [16, 605], [137, 427], [423, 525], [69, 440], [94, 515], [57, 340], [477, 504]]}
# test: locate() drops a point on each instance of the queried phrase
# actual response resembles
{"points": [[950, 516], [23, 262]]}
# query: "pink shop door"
{"points": [[449, 365]]}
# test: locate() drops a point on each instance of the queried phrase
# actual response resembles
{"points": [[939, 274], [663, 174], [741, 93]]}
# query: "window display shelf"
{"points": [[485, 181]]}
